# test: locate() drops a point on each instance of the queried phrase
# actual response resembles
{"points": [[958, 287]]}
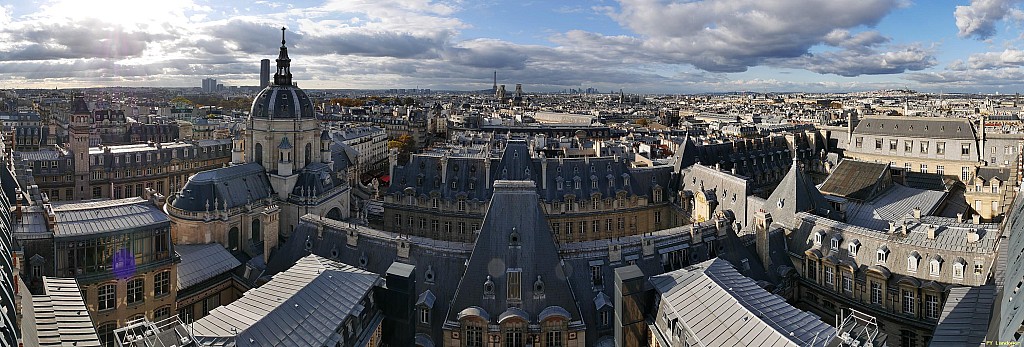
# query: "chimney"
{"points": [[892, 227], [976, 218], [51, 217], [960, 217], [972, 236], [931, 231], [917, 212]]}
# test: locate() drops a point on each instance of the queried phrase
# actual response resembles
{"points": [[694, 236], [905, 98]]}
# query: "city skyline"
{"points": [[647, 46]]}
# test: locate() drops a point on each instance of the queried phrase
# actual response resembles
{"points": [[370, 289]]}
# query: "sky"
{"points": [[639, 46]]}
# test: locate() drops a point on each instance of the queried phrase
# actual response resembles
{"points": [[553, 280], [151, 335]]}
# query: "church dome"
{"points": [[282, 102], [282, 99]]}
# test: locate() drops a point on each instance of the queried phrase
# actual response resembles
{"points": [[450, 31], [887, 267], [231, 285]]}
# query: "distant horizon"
{"points": [[610, 92], [642, 46]]}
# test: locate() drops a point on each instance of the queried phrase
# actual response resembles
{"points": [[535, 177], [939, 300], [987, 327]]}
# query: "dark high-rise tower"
{"points": [[494, 89], [264, 73]]}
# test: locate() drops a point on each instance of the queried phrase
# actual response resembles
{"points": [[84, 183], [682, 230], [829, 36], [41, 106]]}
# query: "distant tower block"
{"points": [[519, 90], [494, 89], [264, 73]]}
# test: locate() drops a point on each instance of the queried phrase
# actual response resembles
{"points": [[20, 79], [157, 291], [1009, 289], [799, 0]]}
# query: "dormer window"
{"points": [[958, 269], [852, 248], [817, 238], [835, 242], [882, 254], [912, 261], [935, 266]]}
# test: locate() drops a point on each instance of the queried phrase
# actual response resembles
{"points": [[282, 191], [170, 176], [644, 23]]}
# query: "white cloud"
{"points": [[978, 20]]}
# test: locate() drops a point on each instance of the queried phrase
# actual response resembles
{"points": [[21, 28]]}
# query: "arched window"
{"points": [[259, 153], [309, 153], [233, 238], [255, 237], [106, 333]]}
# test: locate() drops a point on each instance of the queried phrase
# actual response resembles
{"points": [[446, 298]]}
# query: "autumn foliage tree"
{"points": [[405, 145]]}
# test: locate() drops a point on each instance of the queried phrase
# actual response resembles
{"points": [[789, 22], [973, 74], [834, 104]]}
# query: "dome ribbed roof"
{"points": [[282, 102]]}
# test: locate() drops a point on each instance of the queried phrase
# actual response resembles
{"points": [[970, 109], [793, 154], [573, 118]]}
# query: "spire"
{"points": [[283, 77]]}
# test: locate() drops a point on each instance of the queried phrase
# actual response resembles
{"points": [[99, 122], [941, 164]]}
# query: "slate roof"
{"points": [[895, 203], [104, 216], [224, 188], [423, 174], [46, 154], [854, 179], [316, 179], [795, 193], [514, 235], [61, 318], [987, 173], [203, 262], [299, 307], [917, 127], [965, 317], [724, 308]]}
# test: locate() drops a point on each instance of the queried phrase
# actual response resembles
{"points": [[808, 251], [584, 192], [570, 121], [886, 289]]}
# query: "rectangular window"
{"points": [[965, 173], [924, 147], [622, 223], [608, 225], [828, 276], [995, 188], [878, 144], [462, 228], [940, 148], [931, 302], [908, 302], [860, 142], [847, 284], [941, 170], [924, 168], [474, 336], [424, 315], [812, 271], [892, 145], [162, 283], [568, 228], [965, 149], [554, 339], [657, 217], [876, 293], [515, 288], [908, 145], [596, 276], [135, 292], [106, 297], [995, 208]]}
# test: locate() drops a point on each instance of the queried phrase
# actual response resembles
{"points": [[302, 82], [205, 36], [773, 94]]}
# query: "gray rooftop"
{"points": [[965, 317], [895, 203], [97, 217], [721, 307], [298, 307], [917, 127], [203, 262], [61, 318]]}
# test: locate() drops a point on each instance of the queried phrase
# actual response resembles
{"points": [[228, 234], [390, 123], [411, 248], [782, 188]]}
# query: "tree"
{"points": [[405, 145], [181, 100]]}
